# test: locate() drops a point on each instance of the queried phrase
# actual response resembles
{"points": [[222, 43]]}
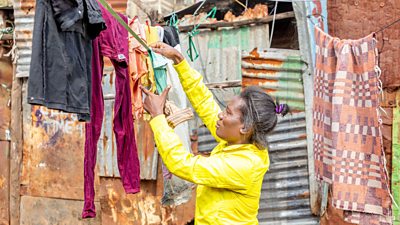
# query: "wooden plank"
{"points": [[4, 182], [227, 84], [396, 158], [16, 148], [6, 79], [48, 211], [221, 24]]}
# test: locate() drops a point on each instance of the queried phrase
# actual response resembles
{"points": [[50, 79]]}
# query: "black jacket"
{"points": [[71, 15], [60, 72]]}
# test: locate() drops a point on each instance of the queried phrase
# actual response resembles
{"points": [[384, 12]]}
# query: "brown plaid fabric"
{"points": [[347, 138]]}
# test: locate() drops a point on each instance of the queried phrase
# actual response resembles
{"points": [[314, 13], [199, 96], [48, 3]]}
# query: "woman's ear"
{"points": [[245, 131]]}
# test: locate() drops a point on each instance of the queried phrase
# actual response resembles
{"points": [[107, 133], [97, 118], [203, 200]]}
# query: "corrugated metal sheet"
{"points": [[285, 197], [220, 50], [278, 72], [24, 12], [306, 45], [285, 192], [220, 56], [206, 142], [118, 5], [107, 148]]}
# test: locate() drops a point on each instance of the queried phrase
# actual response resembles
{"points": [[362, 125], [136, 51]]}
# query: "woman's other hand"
{"points": [[154, 104], [167, 51]]}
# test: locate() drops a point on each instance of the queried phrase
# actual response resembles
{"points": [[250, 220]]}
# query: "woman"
{"points": [[230, 180]]}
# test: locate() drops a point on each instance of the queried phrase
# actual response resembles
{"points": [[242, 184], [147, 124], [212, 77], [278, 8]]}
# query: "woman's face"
{"points": [[229, 124]]}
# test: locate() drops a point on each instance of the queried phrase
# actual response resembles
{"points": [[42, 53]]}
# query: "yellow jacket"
{"points": [[230, 180]]}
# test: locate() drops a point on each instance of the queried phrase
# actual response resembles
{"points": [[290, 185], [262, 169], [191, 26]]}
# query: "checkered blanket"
{"points": [[347, 138]]}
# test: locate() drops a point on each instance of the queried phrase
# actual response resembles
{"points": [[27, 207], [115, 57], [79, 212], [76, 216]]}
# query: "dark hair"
{"points": [[259, 114]]}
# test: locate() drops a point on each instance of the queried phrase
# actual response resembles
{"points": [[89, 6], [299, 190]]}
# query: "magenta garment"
{"points": [[112, 43]]}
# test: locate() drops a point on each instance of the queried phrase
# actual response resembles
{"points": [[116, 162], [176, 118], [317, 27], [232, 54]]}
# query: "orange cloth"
{"points": [[138, 67]]}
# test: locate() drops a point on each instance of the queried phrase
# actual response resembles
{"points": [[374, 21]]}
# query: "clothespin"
{"points": [[148, 26]]}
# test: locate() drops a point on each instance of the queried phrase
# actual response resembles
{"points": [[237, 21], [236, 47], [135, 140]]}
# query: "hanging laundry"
{"points": [[160, 71], [112, 43], [176, 190], [60, 72], [158, 62], [148, 80], [137, 67], [171, 36], [160, 31], [347, 137]]}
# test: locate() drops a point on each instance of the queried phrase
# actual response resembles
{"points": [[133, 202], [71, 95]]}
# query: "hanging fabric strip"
{"points": [[192, 50], [119, 19]]}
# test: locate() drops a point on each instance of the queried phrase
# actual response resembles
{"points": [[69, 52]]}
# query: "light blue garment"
{"points": [[159, 63]]}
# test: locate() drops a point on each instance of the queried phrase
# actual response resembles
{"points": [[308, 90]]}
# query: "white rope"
{"points": [[273, 25]]}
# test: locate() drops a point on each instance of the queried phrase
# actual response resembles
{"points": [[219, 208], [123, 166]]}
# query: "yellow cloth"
{"points": [[148, 80], [230, 180]]}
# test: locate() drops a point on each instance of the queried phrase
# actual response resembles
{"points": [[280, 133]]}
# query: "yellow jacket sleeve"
{"points": [[228, 171], [199, 96]]}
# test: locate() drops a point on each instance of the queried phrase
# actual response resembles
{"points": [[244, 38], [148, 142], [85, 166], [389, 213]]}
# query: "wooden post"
{"points": [[16, 149]]}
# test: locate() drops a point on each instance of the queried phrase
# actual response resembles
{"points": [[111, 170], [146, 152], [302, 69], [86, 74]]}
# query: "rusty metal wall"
{"points": [[356, 19], [6, 73], [285, 197], [53, 151], [118, 5], [52, 154], [50, 211], [143, 208], [219, 50], [24, 16], [279, 72], [4, 182]]}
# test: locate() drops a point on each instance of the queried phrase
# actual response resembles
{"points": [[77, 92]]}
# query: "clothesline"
{"points": [[387, 26], [122, 22]]}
